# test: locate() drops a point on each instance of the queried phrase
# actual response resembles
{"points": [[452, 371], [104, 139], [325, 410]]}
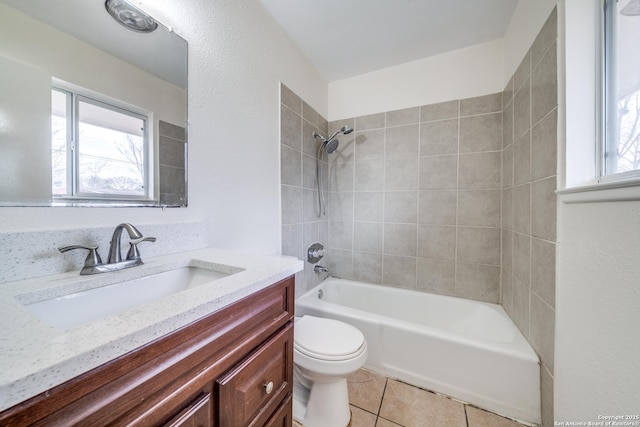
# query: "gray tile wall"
{"points": [[414, 198], [456, 198], [302, 224], [529, 165], [171, 158]]}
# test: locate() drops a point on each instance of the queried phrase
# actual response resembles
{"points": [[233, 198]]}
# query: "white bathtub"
{"points": [[465, 349]]}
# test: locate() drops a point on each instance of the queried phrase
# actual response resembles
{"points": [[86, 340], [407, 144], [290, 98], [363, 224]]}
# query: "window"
{"points": [[98, 150], [620, 121]]}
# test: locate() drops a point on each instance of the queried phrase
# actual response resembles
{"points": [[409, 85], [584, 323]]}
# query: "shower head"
{"points": [[332, 145]]}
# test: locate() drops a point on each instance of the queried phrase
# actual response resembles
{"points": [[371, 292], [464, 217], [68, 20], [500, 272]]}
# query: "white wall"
{"points": [[525, 24], [237, 56], [598, 268], [463, 73]]}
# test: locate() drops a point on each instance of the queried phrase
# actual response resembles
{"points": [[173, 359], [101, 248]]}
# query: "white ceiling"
{"points": [[344, 38], [161, 52]]}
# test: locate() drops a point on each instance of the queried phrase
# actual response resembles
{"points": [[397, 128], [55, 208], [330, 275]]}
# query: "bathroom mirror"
{"points": [[72, 77]]}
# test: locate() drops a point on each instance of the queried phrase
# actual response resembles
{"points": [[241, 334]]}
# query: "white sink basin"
{"points": [[69, 311]]}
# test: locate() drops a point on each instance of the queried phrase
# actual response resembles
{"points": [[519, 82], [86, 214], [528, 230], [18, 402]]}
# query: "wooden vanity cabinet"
{"points": [[231, 368]]}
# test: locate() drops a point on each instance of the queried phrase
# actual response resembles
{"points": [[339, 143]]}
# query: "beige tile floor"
{"points": [[377, 401]]}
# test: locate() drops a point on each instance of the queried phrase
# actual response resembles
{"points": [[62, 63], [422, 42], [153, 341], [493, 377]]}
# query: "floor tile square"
{"points": [[479, 418], [411, 406], [366, 389], [386, 423], [361, 418]]}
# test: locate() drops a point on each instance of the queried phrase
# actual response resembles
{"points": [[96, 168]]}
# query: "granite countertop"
{"points": [[35, 356]]}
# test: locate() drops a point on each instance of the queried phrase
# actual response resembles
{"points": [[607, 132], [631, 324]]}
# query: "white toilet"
{"points": [[325, 353]]}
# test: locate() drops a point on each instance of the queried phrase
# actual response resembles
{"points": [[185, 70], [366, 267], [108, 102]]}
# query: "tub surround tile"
{"points": [[546, 386], [340, 206], [439, 137], [544, 85], [436, 241], [439, 111], [401, 174], [292, 240], [437, 276], [290, 128], [544, 206], [341, 177], [371, 121], [542, 329], [506, 298], [522, 159], [522, 257], [437, 207], [309, 114], [291, 204], [291, 170], [367, 267], [522, 208], [522, 72], [507, 93], [480, 170], [400, 239], [478, 245], [507, 125], [290, 99], [399, 271], [368, 206], [481, 105], [478, 282], [481, 133], [402, 141], [507, 167], [521, 298], [543, 268], [369, 145], [438, 172], [479, 208], [545, 38], [521, 110], [367, 236], [401, 207], [341, 234], [544, 146], [369, 175], [403, 117]]}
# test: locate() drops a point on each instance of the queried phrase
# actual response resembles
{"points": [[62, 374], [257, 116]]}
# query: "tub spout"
{"points": [[320, 269]]}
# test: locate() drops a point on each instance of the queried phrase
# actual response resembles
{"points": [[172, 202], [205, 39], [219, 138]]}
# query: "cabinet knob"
{"points": [[268, 387]]}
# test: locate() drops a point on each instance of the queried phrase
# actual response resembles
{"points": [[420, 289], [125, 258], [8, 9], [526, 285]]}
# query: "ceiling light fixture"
{"points": [[130, 16]]}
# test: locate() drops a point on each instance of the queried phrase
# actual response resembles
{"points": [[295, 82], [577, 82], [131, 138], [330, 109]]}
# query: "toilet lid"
{"points": [[327, 339]]}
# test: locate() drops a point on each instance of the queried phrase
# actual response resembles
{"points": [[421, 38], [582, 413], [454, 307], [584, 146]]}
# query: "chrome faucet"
{"points": [[320, 269], [114, 250], [93, 263]]}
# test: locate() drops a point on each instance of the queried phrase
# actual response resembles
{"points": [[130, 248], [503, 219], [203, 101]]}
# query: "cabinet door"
{"points": [[252, 391], [197, 414], [283, 416]]}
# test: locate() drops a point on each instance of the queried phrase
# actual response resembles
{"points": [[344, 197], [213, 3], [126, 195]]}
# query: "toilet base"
{"points": [[327, 404]]}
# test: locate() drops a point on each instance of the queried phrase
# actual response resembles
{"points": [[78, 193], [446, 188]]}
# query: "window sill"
{"points": [[612, 191]]}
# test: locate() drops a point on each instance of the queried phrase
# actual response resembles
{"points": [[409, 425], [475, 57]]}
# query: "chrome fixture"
{"points": [[315, 253], [328, 146], [130, 16], [93, 263], [320, 269]]}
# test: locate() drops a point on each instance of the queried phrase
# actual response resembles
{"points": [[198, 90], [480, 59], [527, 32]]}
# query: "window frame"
{"points": [[74, 97], [606, 100]]}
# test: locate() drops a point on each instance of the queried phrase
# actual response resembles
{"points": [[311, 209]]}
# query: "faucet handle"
{"points": [[133, 249], [93, 258]]}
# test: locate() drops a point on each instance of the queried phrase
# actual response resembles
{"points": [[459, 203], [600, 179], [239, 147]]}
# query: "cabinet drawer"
{"points": [[252, 391]]}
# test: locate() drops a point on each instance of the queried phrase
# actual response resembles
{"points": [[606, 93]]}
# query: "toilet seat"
{"points": [[327, 339]]}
